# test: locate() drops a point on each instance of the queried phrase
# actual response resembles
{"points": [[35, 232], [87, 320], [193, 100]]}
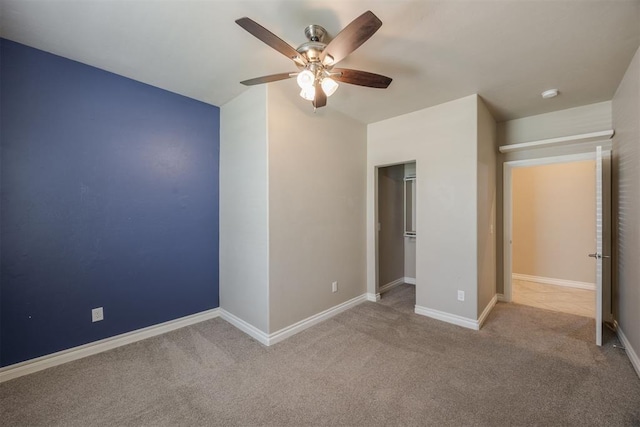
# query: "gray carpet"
{"points": [[376, 364]]}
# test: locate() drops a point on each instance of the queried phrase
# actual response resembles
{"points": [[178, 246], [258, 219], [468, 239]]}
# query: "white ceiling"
{"points": [[508, 51]]}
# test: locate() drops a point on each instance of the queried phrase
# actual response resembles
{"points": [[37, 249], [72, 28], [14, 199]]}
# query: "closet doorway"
{"points": [[557, 216], [396, 234]]}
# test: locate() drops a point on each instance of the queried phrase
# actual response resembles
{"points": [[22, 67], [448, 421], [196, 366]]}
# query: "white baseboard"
{"points": [[275, 337], [465, 322], [315, 319], [633, 356], [556, 282], [502, 298], [54, 359], [373, 297], [38, 364], [247, 328], [391, 285], [487, 310], [408, 280]]}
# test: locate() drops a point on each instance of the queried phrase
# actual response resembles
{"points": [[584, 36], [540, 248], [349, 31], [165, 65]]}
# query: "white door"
{"points": [[603, 240]]}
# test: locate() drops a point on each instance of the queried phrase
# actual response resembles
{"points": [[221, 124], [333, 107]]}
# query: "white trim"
{"points": [[633, 356], [554, 142], [247, 328], [40, 363], [507, 211], [315, 319], [373, 297], [465, 322], [502, 298], [275, 337], [391, 285], [556, 282], [487, 310], [397, 282], [447, 317]]}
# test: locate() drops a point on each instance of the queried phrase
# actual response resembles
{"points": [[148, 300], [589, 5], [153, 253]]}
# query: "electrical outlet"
{"points": [[97, 314], [460, 295], [334, 287]]}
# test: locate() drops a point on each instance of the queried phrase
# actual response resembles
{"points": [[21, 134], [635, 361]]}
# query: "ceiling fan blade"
{"points": [[266, 79], [270, 39], [320, 99], [361, 78], [351, 37]]}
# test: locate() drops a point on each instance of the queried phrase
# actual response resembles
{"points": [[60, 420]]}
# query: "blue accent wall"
{"points": [[109, 198]]}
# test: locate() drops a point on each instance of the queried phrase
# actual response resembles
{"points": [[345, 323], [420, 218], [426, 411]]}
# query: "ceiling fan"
{"points": [[316, 59]]}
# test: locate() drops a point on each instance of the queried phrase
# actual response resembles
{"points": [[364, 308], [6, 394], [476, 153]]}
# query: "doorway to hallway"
{"points": [[556, 216], [553, 229]]}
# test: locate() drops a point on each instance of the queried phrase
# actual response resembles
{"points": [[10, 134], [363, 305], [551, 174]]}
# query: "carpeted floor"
{"points": [[376, 364]]}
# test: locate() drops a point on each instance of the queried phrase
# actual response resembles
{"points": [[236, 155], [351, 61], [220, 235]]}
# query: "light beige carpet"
{"points": [[376, 364]]}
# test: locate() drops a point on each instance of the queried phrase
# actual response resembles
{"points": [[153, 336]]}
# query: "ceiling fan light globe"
{"points": [[328, 60], [308, 93], [329, 86], [305, 79]]}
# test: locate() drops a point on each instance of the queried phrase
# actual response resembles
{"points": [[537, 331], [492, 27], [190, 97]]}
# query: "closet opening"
{"points": [[396, 235]]}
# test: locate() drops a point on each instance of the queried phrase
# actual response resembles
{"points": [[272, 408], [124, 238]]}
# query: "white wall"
{"points": [[443, 142], [244, 216], [554, 221], [292, 208], [486, 197], [626, 119], [316, 207]]}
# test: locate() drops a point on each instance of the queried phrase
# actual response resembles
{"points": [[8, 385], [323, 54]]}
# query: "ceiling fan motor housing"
{"points": [[312, 49], [315, 33]]}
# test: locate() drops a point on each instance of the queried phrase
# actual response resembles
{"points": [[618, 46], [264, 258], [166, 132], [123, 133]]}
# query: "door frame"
{"points": [[507, 205]]}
